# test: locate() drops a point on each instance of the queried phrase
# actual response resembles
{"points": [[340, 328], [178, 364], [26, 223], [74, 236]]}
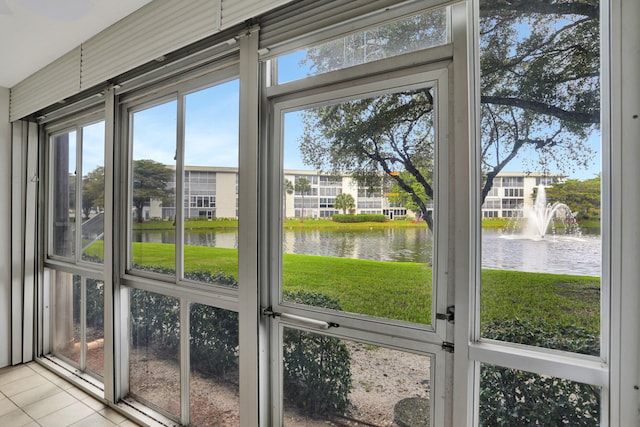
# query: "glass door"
{"points": [[359, 314]]}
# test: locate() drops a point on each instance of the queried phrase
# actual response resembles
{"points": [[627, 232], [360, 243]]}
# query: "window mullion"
{"points": [[185, 360], [83, 324], [179, 193], [78, 199]]}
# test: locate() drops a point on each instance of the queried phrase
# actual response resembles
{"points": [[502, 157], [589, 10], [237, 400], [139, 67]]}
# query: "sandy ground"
{"points": [[381, 377]]}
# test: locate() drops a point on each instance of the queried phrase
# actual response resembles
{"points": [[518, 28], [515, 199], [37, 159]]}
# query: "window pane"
{"points": [[509, 397], [210, 191], [95, 326], [63, 194], [152, 191], [214, 382], [540, 136], [93, 192], [66, 315], [329, 379], [154, 354], [405, 35], [366, 259]]}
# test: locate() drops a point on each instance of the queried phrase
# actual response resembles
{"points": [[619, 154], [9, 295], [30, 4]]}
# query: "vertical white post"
{"points": [[111, 297], [5, 229], [248, 294], [463, 210], [625, 211]]}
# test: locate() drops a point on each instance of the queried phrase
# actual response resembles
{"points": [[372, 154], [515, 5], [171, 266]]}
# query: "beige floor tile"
{"points": [[7, 406], [32, 424], [50, 405], [63, 384], [94, 420], [112, 415], [15, 418], [23, 384], [36, 367], [8, 375], [78, 394], [128, 423], [34, 395], [66, 416], [94, 404]]}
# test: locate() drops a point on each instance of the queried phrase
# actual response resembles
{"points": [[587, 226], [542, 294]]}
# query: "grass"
{"points": [[401, 290]]}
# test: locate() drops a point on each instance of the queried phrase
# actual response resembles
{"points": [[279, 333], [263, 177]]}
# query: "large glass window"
{"points": [[388, 263], [540, 115], [183, 196], [541, 278], [200, 242], [153, 165], [77, 193], [363, 191], [78, 321], [405, 35], [211, 153]]}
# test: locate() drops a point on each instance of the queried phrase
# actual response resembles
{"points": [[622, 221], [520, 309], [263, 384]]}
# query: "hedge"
{"points": [[359, 218]]}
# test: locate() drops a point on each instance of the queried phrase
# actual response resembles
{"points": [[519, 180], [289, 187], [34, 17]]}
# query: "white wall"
{"points": [[5, 229]]}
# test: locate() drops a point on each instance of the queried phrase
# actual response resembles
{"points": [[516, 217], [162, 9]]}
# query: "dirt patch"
{"points": [[381, 377]]}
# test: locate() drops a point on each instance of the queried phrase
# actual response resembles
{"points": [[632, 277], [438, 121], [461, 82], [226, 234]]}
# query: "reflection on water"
{"points": [[398, 245], [553, 254]]}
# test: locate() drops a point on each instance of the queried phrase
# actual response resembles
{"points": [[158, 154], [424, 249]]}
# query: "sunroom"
{"points": [[332, 261]]}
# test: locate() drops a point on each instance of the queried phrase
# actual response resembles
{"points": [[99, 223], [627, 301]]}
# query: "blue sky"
{"points": [[211, 130]]}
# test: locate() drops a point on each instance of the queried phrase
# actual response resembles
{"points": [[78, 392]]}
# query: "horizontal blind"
{"points": [[237, 11], [152, 31], [53, 83]]}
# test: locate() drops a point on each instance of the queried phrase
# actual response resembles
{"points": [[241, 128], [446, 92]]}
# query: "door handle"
{"points": [[299, 320]]}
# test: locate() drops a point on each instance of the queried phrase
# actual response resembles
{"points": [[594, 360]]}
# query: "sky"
{"points": [[212, 124]]}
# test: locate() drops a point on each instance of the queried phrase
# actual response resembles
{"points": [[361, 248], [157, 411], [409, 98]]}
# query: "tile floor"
{"points": [[30, 395]]}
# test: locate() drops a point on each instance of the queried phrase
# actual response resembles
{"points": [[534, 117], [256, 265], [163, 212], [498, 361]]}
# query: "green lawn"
{"points": [[401, 290]]}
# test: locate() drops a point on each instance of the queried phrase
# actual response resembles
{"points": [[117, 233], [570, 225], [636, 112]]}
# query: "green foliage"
{"points": [[359, 218], [371, 137], [344, 201], [214, 340], [317, 371], [582, 197], [93, 190], [540, 84], [150, 179], [317, 368], [509, 397], [540, 97]]}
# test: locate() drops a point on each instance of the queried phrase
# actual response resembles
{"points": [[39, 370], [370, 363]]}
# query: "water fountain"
{"points": [[543, 217]]}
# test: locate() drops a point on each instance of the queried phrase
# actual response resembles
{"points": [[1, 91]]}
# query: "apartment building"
{"points": [[512, 191]]}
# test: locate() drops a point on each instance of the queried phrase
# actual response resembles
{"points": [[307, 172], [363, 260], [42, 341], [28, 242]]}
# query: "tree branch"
{"points": [[548, 7], [540, 107]]}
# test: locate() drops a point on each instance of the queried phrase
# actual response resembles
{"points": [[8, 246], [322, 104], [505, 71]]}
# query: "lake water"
{"points": [[553, 254]]}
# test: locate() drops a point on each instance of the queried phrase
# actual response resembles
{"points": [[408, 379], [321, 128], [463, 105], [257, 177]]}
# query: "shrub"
{"points": [[317, 368], [510, 397], [359, 218]]}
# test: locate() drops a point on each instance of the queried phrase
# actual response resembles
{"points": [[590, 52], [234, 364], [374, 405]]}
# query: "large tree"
{"points": [[93, 190], [539, 98], [150, 180], [582, 197]]}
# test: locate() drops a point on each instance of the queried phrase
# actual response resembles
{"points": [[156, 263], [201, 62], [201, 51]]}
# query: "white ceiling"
{"points": [[34, 33]]}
